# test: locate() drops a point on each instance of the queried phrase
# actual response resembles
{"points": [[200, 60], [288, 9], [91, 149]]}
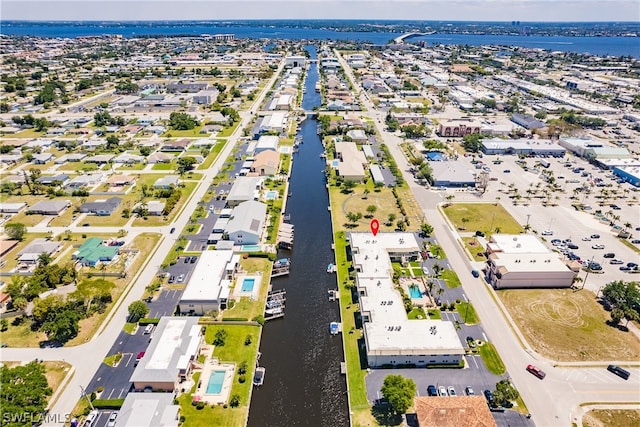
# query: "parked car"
{"points": [[471, 341], [172, 279], [636, 241], [475, 273], [452, 391], [442, 391], [586, 239], [193, 259], [595, 236], [616, 262], [469, 391], [432, 391], [609, 255], [632, 265], [536, 371], [594, 266], [148, 329], [181, 278], [489, 396], [112, 419], [625, 268], [622, 373], [507, 171], [572, 246], [597, 247], [547, 233]]}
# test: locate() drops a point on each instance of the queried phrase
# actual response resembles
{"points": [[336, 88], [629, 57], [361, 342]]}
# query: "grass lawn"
{"points": [[233, 350], [163, 167], [482, 216], [467, 312], [65, 219], [451, 278], [133, 167], [228, 131], [568, 326], [78, 167], [130, 327], [155, 221], [21, 335], [28, 220], [628, 243], [245, 308], [434, 314], [194, 133], [491, 358], [417, 313], [215, 150], [27, 133], [384, 201], [475, 248], [611, 418], [55, 371]]}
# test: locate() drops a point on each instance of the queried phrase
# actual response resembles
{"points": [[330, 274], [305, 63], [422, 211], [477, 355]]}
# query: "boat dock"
{"points": [[281, 267], [274, 307], [334, 294], [285, 236]]}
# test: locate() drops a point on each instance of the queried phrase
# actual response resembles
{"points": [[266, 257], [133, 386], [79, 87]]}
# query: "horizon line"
{"points": [[317, 20]]}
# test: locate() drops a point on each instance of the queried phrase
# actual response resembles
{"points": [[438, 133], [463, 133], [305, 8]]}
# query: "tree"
{"points": [[137, 310], [182, 121], [185, 164], [145, 151], [371, 209], [472, 142], [220, 338], [15, 231], [625, 299], [399, 391], [24, 391], [112, 142], [44, 259], [426, 229]]}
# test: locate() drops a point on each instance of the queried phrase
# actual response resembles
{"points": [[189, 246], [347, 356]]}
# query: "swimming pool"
{"points": [[335, 163], [250, 248], [414, 292], [216, 379], [271, 195], [247, 284]]}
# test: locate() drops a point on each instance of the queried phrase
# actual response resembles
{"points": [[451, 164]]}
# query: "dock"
{"points": [[343, 368], [285, 236], [274, 307], [281, 267], [334, 294]]}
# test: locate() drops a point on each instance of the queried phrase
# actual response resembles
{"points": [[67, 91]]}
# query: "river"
{"points": [[303, 385]]}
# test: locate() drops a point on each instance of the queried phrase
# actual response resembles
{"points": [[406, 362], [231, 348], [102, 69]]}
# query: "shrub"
{"points": [[200, 405], [242, 379], [100, 389], [235, 401], [107, 403]]}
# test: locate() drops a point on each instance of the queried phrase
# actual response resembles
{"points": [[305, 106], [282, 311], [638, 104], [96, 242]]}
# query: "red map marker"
{"points": [[375, 225]]}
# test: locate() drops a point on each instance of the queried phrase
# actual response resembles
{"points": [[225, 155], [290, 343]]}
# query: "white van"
{"points": [[148, 329]]}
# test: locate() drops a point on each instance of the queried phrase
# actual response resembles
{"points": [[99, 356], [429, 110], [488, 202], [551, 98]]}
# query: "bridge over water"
{"points": [[402, 38]]}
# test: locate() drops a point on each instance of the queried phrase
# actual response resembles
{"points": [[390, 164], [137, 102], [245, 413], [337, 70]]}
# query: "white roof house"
{"points": [[208, 287], [247, 222], [149, 410], [266, 142], [175, 343], [390, 337], [244, 188], [352, 161]]}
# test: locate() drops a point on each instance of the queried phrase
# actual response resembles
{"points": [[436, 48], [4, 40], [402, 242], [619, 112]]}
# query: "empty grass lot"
{"points": [[568, 326], [611, 418], [158, 221], [482, 216], [475, 248]]}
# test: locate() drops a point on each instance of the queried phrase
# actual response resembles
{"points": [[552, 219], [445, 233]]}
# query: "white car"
{"points": [[597, 247], [586, 239], [547, 233], [112, 419], [616, 262]]}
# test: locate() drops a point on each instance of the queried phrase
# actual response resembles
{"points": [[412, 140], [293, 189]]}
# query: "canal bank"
{"points": [[303, 385]]}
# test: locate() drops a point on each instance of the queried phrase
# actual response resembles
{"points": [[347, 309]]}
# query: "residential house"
{"points": [[136, 410], [246, 223], [128, 159], [352, 161], [101, 207], [166, 182], [179, 145], [244, 188], [31, 253], [59, 179], [266, 163], [11, 208], [357, 136], [49, 207], [42, 158], [158, 157], [82, 181], [266, 142], [93, 252], [73, 157], [118, 180], [100, 159]]}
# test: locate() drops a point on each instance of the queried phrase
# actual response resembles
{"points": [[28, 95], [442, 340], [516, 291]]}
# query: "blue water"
{"points": [[595, 45], [250, 248], [414, 292], [215, 382], [271, 195], [247, 284]]}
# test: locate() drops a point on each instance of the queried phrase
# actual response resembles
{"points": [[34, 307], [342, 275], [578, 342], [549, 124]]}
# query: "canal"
{"points": [[303, 385]]}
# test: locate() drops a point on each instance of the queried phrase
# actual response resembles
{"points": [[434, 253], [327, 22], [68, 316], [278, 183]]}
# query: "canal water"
{"points": [[303, 385]]}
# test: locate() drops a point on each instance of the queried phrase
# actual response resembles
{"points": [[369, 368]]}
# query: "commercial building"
{"points": [[455, 128], [390, 338], [523, 261], [628, 174], [208, 287], [149, 410], [526, 121], [266, 142], [452, 173], [524, 146], [246, 223], [168, 359]]}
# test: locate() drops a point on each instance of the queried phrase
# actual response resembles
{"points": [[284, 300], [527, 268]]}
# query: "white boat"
{"points": [[273, 311], [258, 377], [333, 328], [331, 268]]}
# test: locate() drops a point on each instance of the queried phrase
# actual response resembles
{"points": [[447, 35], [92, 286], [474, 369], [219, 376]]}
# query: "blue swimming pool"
{"points": [[216, 379], [271, 195], [250, 248], [247, 284], [414, 292]]}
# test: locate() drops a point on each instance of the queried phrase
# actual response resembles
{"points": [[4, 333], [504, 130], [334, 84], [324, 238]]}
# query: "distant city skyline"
{"points": [[427, 10]]}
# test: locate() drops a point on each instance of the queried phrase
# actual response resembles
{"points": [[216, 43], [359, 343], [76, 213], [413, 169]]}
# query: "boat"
{"points": [[331, 268], [333, 328], [282, 262], [258, 377], [274, 311]]}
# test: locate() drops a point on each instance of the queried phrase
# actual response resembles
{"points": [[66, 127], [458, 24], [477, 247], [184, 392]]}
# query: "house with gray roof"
{"points": [[244, 188], [42, 158], [73, 157], [101, 207], [149, 410], [55, 179], [246, 223], [49, 207], [30, 254], [167, 361], [81, 181], [166, 182]]}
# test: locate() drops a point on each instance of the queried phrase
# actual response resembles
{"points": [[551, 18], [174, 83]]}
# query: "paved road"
{"points": [[554, 401], [87, 358]]}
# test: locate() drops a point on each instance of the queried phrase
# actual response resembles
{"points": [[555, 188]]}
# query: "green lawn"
{"points": [[163, 167], [78, 167], [474, 248], [194, 133], [129, 327], [155, 221], [487, 217], [27, 133], [491, 358], [212, 155], [233, 350], [451, 278], [467, 312], [133, 167], [228, 131]]}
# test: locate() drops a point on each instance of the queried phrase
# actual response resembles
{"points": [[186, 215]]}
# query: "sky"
{"points": [[452, 10]]}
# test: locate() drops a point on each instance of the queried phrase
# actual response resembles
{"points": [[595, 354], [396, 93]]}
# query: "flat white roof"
{"points": [[389, 331], [204, 284], [517, 244], [529, 262]]}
